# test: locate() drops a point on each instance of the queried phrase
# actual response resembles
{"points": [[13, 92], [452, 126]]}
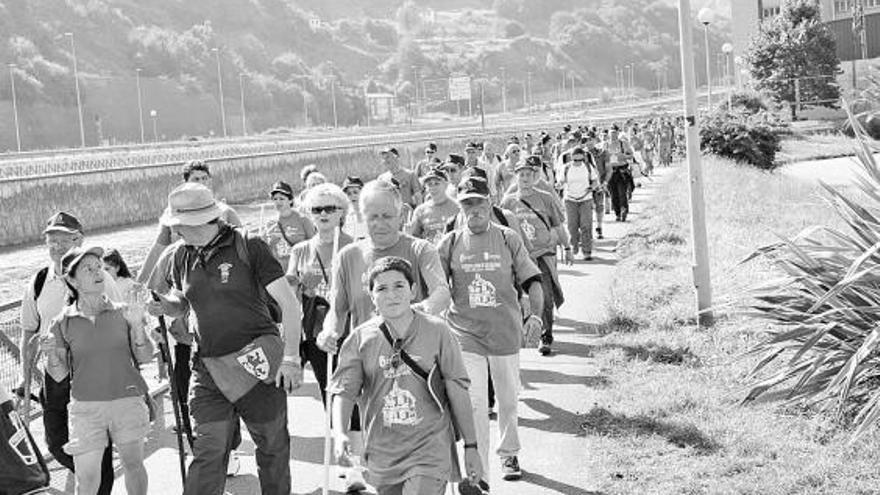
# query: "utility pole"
{"points": [[482, 110], [14, 107], [702, 279], [220, 92], [529, 83], [503, 91], [573, 94], [79, 108], [243, 115], [137, 76], [333, 95]]}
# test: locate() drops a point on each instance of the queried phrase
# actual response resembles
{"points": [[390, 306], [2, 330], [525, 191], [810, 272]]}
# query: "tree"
{"points": [[795, 53]]}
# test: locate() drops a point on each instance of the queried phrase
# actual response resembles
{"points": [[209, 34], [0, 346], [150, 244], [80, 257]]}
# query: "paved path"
{"points": [[556, 458]]}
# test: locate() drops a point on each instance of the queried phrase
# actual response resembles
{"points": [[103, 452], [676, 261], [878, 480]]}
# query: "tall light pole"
{"points": [[137, 79], [82, 128], [706, 16], [220, 92], [155, 116], [333, 96], [727, 49], [702, 280], [14, 107], [243, 115], [529, 83], [503, 91]]}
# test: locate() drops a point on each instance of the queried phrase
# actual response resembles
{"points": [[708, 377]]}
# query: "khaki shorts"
{"points": [[94, 423]]}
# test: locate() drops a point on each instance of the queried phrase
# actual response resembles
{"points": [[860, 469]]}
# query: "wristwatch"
{"points": [[291, 360]]}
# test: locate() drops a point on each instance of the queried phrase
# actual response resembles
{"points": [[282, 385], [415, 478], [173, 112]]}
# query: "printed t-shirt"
{"points": [[409, 183], [305, 269], [350, 293], [225, 294], [406, 434], [485, 313], [100, 357], [286, 232], [429, 220], [536, 230]]}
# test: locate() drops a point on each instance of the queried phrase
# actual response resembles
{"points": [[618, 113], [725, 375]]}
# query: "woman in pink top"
{"points": [[100, 344]]}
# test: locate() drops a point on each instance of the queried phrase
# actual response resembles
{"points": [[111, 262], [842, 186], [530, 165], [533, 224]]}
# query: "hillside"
{"points": [[281, 62]]}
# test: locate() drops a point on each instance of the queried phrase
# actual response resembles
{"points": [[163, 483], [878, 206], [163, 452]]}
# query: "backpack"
{"points": [[240, 241], [40, 281]]}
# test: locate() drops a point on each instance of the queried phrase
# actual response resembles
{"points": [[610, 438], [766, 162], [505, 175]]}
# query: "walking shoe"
{"points": [[587, 257], [510, 470], [234, 463], [354, 480], [544, 349], [468, 488], [599, 233]]}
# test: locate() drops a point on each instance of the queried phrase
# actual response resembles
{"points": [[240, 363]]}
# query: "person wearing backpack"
{"points": [[44, 297], [486, 264], [579, 179], [99, 345], [244, 363], [621, 184]]}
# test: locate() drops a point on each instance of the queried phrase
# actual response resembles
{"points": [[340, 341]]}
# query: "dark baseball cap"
{"points": [[471, 146], [63, 222], [352, 181], [533, 162], [455, 159], [434, 173], [73, 256], [475, 172], [473, 187], [431, 147], [283, 188], [389, 149]]}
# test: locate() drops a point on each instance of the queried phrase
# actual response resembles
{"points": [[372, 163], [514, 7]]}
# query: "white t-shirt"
{"points": [[578, 180]]}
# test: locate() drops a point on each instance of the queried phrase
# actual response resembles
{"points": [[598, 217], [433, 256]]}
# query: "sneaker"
{"points": [[587, 257], [354, 480], [467, 488], [234, 463], [510, 470], [544, 349], [599, 233]]}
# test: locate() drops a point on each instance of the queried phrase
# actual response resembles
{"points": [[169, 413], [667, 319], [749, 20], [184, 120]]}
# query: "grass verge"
{"points": [[800, 147], [669, 422]]}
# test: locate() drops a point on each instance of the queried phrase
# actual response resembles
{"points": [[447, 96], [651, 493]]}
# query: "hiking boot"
{"points": [[354, 480], [545, 350], [510, 470], [599, 233], [468, 488]]}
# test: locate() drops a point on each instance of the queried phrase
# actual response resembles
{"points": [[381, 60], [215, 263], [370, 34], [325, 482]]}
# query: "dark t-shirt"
{"points": [[224, 293]]}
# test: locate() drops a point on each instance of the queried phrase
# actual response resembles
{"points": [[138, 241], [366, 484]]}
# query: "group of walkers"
{"points": [[422, 286]]}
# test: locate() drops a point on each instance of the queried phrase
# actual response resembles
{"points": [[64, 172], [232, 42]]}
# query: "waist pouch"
{"points": [[236, 373]]}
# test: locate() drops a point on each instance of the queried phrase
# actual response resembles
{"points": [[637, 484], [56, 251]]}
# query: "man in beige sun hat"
{"points": [[242, 366]]}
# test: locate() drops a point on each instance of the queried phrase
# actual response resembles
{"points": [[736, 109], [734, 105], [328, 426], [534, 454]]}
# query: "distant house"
{"points": [[837, 14]]}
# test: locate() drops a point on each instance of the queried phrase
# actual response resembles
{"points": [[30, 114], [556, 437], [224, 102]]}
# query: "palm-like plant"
{"points": [[825, 338]]}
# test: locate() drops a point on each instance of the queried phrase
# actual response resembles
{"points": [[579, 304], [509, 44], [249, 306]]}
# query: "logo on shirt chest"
{"points": [[224, 270]]}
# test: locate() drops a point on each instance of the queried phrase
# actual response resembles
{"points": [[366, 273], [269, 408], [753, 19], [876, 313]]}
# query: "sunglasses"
{"points": [[397, 347], [317, 210], [429, 152]]}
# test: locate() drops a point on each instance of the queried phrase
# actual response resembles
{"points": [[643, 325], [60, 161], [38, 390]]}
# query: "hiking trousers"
{"points": [[619, 186], [579, 219]]}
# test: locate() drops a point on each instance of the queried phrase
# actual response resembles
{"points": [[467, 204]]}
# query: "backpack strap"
{"points": [[407, 359], [499, 215], [536, 212], [40, 281]]}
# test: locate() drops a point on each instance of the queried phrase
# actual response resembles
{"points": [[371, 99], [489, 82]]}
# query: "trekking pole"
{"points": [[328, 441], [178, 415]]}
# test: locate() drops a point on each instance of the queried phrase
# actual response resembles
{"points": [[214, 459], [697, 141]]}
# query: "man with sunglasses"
{"points": [[485, 263]]}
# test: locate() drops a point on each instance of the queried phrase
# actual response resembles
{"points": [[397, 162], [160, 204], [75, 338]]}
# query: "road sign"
{"points": [[459, 88]]}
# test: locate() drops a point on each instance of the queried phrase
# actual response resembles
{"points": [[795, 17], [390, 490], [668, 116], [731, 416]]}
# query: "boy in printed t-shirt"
{"points": [[430, 218], [410, 441]]}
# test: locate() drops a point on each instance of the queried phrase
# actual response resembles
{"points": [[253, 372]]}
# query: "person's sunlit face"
{"points": [[89, 275], [354, 195], [454, 173], [326, 213], [527, 177], [112, 269], [389, 160], [391, 294], [195, 235], [200, 177], [382, 215], [436, 188], [281, 203], [476, 212]]}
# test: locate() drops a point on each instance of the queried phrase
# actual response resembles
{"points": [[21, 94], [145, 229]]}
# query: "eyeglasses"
{"points": [[317, 210], [397, 347]]}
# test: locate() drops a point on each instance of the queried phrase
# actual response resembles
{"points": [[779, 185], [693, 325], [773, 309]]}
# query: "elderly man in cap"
{"points": [[429, 218], [44, 297], [410, 189], [541, 222], [486, 263], [243, 364]]}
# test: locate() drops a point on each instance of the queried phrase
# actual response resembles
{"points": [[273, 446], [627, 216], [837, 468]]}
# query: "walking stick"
{"points": [[328, 441], [178, 415]]}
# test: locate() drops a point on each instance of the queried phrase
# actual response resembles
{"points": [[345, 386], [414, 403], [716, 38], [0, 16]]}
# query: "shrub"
{"points": [[753, 139], [749, 102], [514, 29]]}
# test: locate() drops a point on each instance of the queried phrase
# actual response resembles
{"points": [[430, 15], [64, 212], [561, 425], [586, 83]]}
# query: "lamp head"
{"points": [[706, 16], [727, 48]]}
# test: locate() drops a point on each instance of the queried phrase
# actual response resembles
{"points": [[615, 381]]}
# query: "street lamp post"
{"points": [[14, 107], [220, 92], [243, 114], [503, 91], [82, 128], [137, 79], [706, 16], [333, 96], [727, 49], [155, 116]]}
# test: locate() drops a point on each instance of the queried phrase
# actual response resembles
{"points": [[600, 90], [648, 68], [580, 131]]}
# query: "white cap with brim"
{"points": [[190, 204]]}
